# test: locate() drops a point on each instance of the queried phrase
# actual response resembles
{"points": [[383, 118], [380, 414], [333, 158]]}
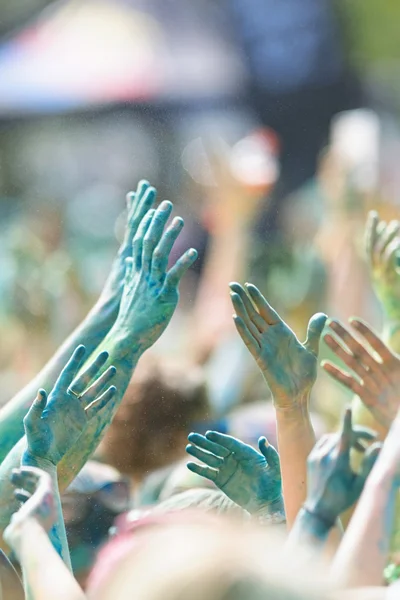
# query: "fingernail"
{"points": [[165, 204], [192, 252]]}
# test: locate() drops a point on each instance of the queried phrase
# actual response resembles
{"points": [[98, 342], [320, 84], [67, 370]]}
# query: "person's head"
{"points": [[197, 556], [161, 405]]}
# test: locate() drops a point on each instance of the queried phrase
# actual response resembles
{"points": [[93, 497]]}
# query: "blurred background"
{"points": [[272, 126]]}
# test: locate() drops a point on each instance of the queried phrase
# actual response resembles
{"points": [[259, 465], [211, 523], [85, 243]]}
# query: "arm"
{"points": [[290, 369], [149, 300], [332, 486], [54, 423], [90, 332], [251, 479], [46, 577], [363, 554]]}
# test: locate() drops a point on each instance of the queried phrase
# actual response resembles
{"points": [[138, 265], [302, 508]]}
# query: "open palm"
{"points": [[251, 479], [55, 422], [289, 366]]}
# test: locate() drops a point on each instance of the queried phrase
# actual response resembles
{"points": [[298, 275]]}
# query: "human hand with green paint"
{"points": [[374, 369], [332, 485], [55, 422], [289, 366], [151, 291], [138, 203], [382, 242], [251, 479]]}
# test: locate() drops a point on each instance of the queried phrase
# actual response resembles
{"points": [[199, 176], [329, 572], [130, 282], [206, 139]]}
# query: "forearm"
{"points": [[363, 553], [46, 576], [90, 332], [57, 534], [296, 439], [124, 355]]}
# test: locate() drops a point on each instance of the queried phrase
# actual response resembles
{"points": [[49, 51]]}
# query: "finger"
{"points": [[314, 331], [162, 251], [249, 311], [373, 340], [359, 353], [270, 453], [390, 233], [242, 312], [97, 405], [352, 362], [230, 443], [82, 382], [363, 433], [390, 255], [371, 235], [99, 385], [137, 244], [205, 457], [206, 472], [27, 481], [265, 310], [369, 460], [202, 442], [250, 341], [346, 432], [36, 410], [22, 495], [154, 233], [344, 378], [176, 272], [138, 203], [71, 368]]}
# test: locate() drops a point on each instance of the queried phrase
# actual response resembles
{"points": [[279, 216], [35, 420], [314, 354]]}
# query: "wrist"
{"points": [[292, 409], [29, 459], [270, 513], [125, 345], [320, 524]]}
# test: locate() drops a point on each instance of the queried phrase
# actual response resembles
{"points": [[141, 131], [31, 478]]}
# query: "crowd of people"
{"points": [[97, 499]]}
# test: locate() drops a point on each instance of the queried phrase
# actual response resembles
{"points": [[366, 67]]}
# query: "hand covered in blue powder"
{"points": [[251, 479], [332, 485], [55, 422], [138, 203], [288, 366], [34, 490], [151, 290]]}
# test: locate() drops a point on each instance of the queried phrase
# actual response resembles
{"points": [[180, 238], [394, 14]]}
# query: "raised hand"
{"points": [[289, 366], [251, 479], [138, 203], [375, 370], [382, 241], [55, 422], [34, 491], [151, 290], [332, 485]]}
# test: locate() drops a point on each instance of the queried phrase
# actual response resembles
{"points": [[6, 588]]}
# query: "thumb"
{"points": [[271, 455], [35, 411], [314, 330]]}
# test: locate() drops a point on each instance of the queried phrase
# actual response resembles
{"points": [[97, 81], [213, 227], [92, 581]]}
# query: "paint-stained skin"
{"points": [[149, 298], [289, 367], [332, 485], [251, 479]]}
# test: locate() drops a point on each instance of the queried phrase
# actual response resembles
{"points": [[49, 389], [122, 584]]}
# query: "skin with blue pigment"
{"points": [[289, 366], [251, 479], [149, 299], [55, 422], [364, 551], [44, 573], [91, 332], [332, 485], [290, 370]]}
